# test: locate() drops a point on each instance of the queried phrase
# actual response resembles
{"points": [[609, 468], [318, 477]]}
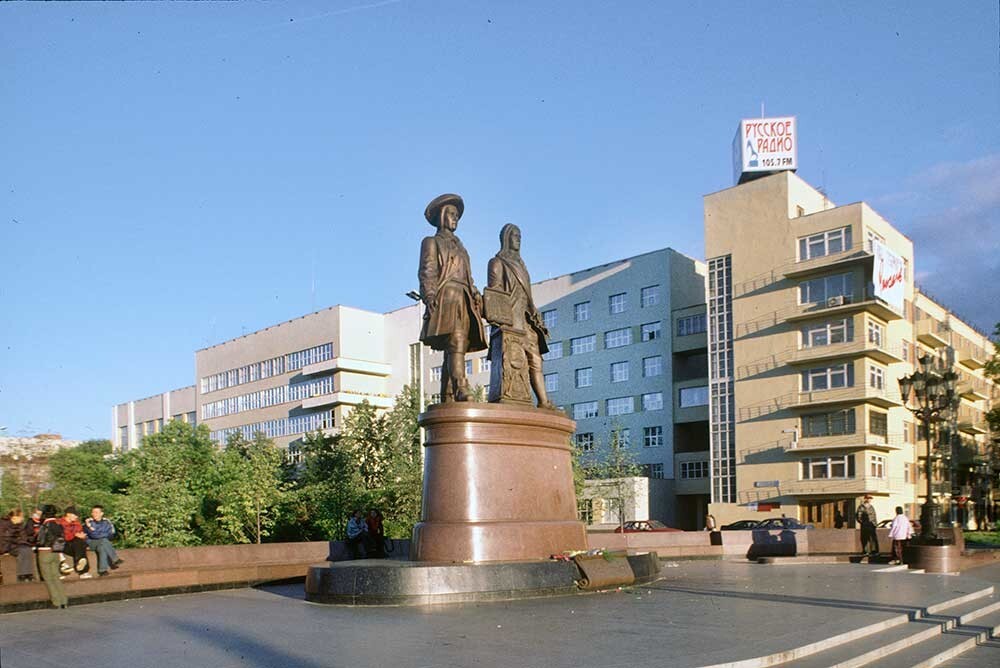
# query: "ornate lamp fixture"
{"points": [[932, 385]]}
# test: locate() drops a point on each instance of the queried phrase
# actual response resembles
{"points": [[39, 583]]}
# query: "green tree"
{"points": [[83, 476], [365, 437], [251, 489], [611, 470], [169, 489], [401, 494], [12, 492], [992, 370], [329, 486]]}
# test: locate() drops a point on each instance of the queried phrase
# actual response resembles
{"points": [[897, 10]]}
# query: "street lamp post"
{"points": [[934, 390]]}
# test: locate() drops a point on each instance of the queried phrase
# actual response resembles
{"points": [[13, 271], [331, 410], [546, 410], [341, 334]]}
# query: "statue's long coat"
{"points": [[441, 262]]}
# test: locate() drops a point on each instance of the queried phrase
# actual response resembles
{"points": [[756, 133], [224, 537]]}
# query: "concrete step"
{"points": [[871, 648], [977, 595], [981, 656], [933, 652], [988, 623], [965, 612]]}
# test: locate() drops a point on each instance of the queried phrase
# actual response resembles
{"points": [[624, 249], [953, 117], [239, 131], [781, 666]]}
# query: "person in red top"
{"points": [[376, 534], [76, 542]]}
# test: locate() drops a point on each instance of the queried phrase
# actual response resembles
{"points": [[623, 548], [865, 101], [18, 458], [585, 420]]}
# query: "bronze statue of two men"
{"points": [[454, 313]]}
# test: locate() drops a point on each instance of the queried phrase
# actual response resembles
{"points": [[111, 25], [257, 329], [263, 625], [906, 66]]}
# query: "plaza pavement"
{"points": [[701, 613]]}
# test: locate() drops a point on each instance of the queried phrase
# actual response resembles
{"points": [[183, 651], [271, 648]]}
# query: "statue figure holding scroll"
{"points": [[453, 315], [517, 342]]}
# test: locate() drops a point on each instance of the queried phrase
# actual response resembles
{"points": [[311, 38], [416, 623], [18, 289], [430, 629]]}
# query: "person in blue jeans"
{"points": [[99, 532]]}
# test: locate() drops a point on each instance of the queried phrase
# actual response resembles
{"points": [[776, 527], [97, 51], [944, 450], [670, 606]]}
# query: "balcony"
{"points": [[348, 364], [973, 389], [349, 398], [876, 351], [933, 333], [810, 445], [844, 305], [827, 263], [972, 423], [869, 394], [843, 486], [971, 357]]}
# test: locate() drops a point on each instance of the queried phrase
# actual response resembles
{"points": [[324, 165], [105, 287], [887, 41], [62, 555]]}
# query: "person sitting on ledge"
{"points": [[100, 530], [357, 532], [76, 542], [16, 538]]}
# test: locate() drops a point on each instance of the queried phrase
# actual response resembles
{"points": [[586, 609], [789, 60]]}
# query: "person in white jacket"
{"points": [[900, 531]]}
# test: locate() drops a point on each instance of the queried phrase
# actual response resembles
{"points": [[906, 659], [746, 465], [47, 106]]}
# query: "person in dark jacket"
{"points": [[50, 536], [14, 538], [76, 542], [100, 531], [376, 534], [33, 524]]}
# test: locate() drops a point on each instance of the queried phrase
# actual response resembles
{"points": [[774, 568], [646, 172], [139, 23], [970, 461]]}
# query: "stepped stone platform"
{"points": [[699, 613]]}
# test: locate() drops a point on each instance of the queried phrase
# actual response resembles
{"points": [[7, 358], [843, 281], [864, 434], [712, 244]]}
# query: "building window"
{"points": [[818, 468], [878, 424], [825, 243], [652, 366], [585, 511], [123, 437], [837, 423], [829, 377], [549, 318], [619, 372], [799, 211], [650, 296], [876, 466], [552, 382], [436, 373], [621, 405], [616, 303], [581, 311], [583, 344], [585, 441], [651, 331], [623, 436], [821, 290], [907, 357], [617, 338], [656, 471], [876, 377], [693, 396], [691, 324], [555, 351], [653, 401], [468, 367], [587, 409], [876, 333], [694, 470], [870, 238], [584, 377], [652, 437], [828, 333], [484, 364]]}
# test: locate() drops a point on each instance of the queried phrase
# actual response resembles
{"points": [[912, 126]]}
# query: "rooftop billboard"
{"points": [[763, 146]]}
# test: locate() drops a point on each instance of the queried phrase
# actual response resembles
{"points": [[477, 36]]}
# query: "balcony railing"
{"points": [[859, 300], [825, 263], [873, 394], [854, 486], [860, 440], [972, 422], [874, 349]]}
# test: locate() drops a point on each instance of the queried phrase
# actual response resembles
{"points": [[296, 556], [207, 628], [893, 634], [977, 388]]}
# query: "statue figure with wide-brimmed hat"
{"points": [[453, 315]]}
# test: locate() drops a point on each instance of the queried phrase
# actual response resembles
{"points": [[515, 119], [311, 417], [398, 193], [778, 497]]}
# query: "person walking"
{"points": [[100, 531], [900, 531], [867, 518], [51, 543], [16, 538]]}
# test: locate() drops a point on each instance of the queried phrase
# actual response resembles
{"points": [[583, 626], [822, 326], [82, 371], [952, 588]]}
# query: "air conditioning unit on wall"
{"points": [[835, 301]]}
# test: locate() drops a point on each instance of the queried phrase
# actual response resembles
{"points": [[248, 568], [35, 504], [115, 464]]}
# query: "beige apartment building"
{"points": [[808, 336]]}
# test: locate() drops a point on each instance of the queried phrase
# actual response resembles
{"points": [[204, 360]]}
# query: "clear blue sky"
{"points": [[177, 174]]}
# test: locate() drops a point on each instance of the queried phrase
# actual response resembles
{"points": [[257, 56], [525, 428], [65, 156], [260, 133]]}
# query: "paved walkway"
{"points": [[701, 613]]}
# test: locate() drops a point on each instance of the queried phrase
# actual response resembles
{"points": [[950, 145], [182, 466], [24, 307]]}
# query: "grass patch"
{"points": [[984, 538]]}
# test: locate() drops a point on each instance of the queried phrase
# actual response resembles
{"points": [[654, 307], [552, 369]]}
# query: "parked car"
{"points": [[639, 526], [884, 524], [741, 525], [776, 523]]}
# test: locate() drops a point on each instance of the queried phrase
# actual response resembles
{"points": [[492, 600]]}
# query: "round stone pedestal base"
{"points": [[933, 558], [498, 484]]}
